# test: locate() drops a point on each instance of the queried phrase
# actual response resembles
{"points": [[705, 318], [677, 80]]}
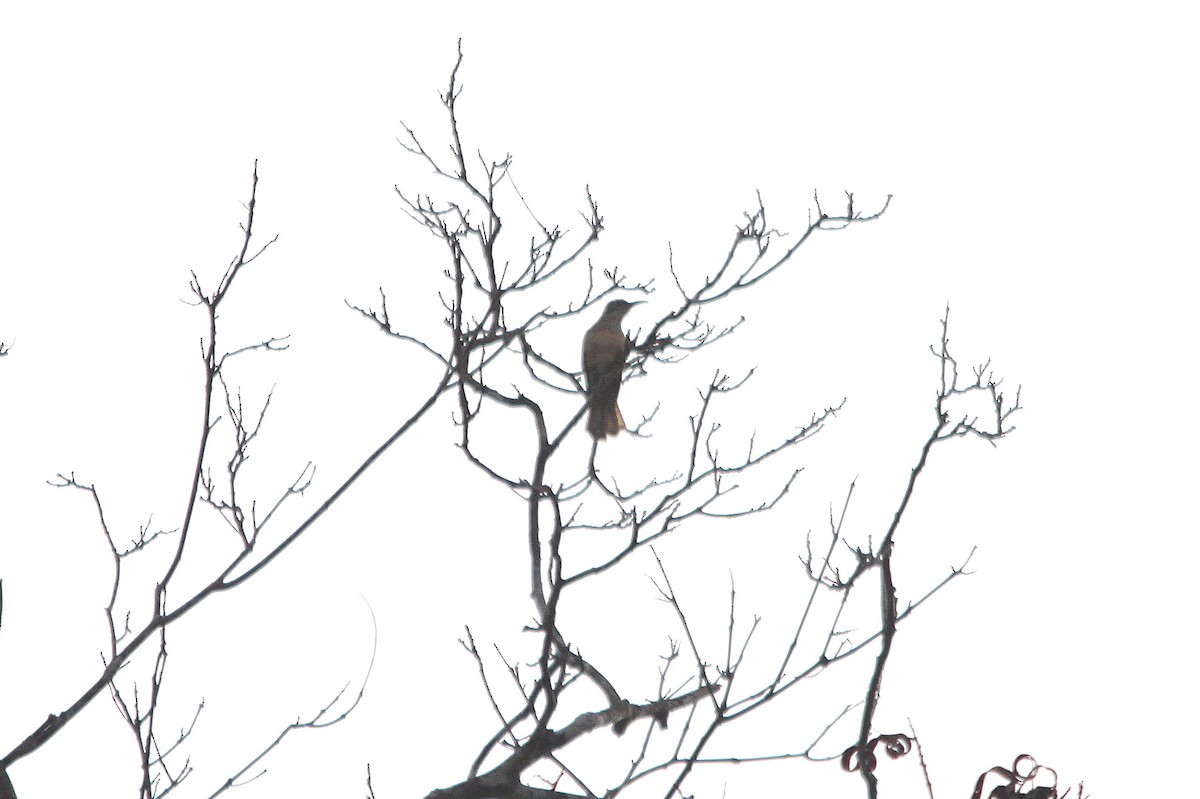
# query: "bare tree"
{"points": [[133, 669], [505, 321], [518, 400]]}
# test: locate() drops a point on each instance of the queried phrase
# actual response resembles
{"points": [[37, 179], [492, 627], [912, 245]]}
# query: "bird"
{"points": [[605, 348]]}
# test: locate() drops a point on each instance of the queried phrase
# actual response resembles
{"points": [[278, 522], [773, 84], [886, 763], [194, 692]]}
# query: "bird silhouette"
{"points": [[605, 348]]}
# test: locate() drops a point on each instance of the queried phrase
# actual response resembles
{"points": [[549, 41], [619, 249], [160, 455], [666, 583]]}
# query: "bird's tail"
{"points": [[605, 420]]}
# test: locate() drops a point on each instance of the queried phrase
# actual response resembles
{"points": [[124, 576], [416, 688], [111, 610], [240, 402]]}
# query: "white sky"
{"points": [[1043, 163]]}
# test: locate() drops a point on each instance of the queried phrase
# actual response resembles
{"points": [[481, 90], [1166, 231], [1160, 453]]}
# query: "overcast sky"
{"points": [[1042, 162]]}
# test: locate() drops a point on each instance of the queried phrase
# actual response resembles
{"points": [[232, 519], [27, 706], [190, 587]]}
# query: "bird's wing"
{"points": [[603, 350]]}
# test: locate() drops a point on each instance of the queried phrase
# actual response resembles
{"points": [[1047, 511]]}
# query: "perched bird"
{"points": [[605, 348]]}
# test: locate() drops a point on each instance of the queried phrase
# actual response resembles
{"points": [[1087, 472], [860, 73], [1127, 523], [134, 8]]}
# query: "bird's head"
{"points": [[618, 308]]}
